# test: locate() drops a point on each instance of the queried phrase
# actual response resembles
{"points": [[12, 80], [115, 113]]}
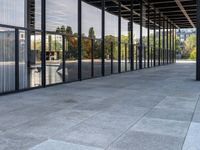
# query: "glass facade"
{"points": [[41, 46]]}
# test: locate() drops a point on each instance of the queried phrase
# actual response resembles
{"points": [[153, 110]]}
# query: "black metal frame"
{"points": [[119, 37], [132, 53], [164, 41], [198, 42]]}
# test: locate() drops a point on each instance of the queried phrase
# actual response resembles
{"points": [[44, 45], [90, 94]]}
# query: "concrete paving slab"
{"points": [[170, 114], [192, 139], [162, 126], [60, 145], [90, 135], [147, 141], [177, 103]]}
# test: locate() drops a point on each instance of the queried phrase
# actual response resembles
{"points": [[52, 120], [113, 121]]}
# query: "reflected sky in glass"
{"points": [[58, 13]]}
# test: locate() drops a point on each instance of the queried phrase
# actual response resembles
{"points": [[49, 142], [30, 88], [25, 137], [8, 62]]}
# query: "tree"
{"points": [[58, 29], [193, 54], [62, 29], [190, 45], [69, 30], [91, 33]]}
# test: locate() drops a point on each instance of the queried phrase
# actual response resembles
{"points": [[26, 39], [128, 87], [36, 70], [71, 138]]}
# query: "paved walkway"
{"points": [[150, 109]]}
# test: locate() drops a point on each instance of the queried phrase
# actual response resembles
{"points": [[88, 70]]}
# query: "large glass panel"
{"points": [[97, 57], [24, 13], [136, 40], [30, 69], [136, 34], [111, 38], [91, 29], [144, 36], [71, 59], [166, 41], [151, 38], [124, 44], [157, 40], [7, 60], [161, 41], [86, 58], [23, 60], [65, 21], [54, 63], [62, 13], [35, 60]]}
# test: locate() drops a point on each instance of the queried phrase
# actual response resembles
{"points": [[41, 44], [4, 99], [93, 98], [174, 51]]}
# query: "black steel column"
{"points": [[159, 41], [148, 38], [154, 40], [126, 47], [163, 41], [174, 42], [167, 44], [170, 43], [43, 27], [111, 47], [175, 45], [79, 40], [92, 55], [198, 42], [119, 38], [63, 55], [103, 38], [141, 45], [16, 59], [131, 26]]}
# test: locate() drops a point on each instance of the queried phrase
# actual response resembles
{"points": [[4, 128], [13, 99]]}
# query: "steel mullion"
{"points": [[43, 27], [103, 38], [63, 55], [159, 41], [148, 38], [140, 46], [16, 59], [131, 46], [119, 37], [79, 40], [154, 40], [167, 44]]}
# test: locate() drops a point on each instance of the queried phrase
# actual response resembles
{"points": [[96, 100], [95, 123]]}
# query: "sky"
{"points": [[63, 12]]}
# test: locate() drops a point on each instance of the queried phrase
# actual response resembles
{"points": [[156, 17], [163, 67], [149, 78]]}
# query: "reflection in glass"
{"points": [[23, 60], [34, 62], [111, 38], [54, 52], [144, 37], [136, 40], [97, 58], [124, 42], [86, 58], [7, 60], [66, 17], [15, 12], [71, 59], [91, 44]]}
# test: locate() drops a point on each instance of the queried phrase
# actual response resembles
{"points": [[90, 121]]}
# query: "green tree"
{"points": [[58, 29], [189, 45], [69, 30], [62, 29], [193, 54], [91, 33]]}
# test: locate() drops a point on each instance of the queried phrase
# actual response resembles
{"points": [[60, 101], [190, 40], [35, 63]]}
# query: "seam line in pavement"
{"points": [[190, 121]]}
